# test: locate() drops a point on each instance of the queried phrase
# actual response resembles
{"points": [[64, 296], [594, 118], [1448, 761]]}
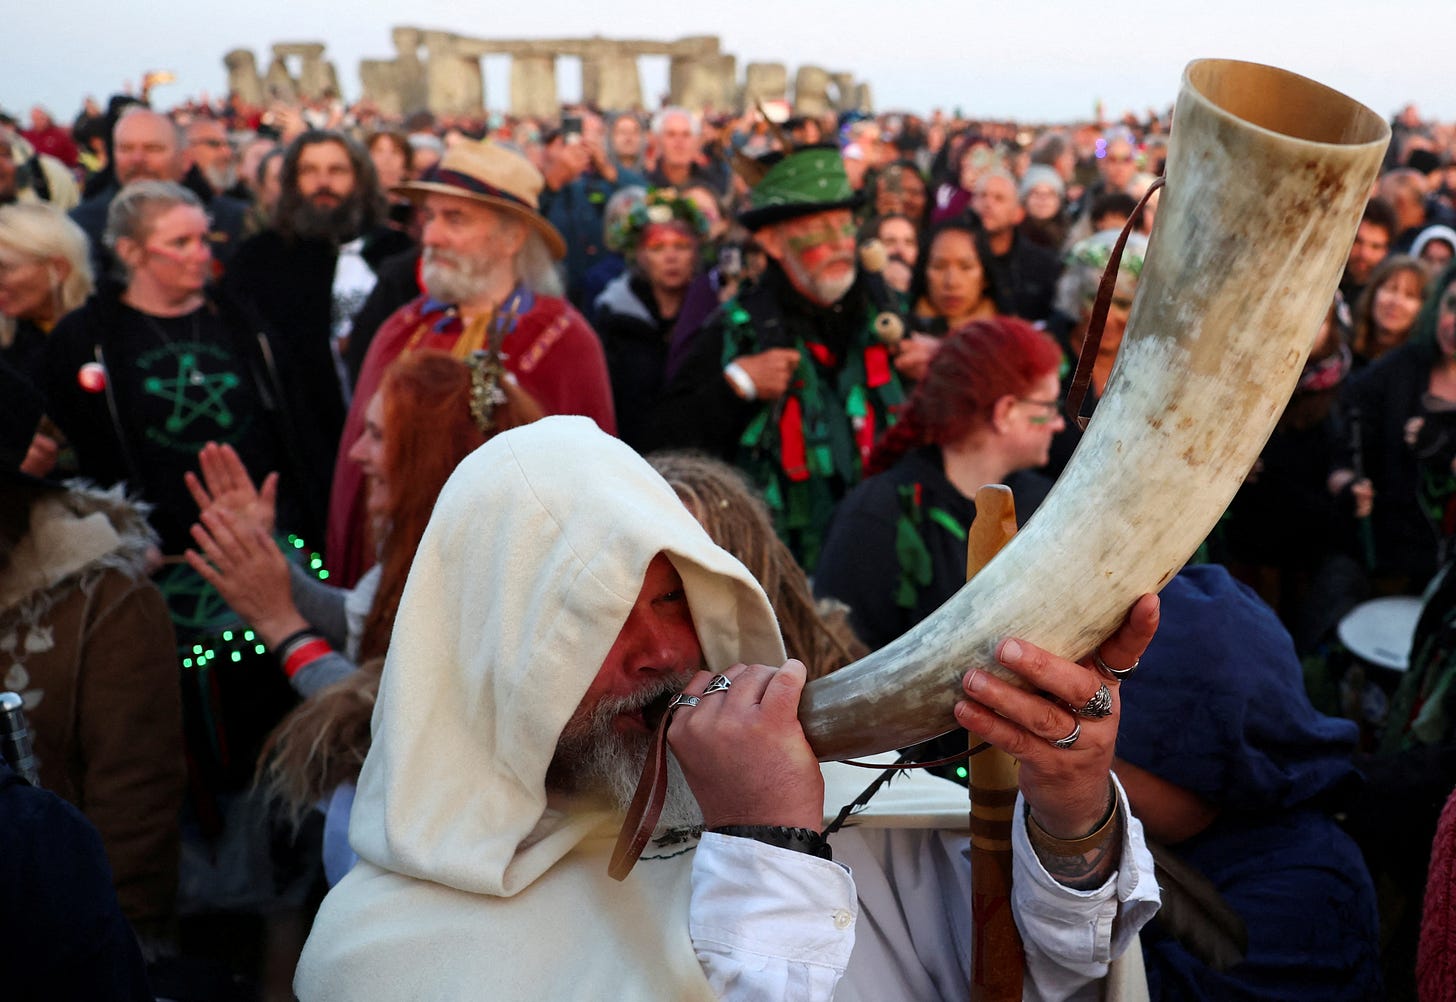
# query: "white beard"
{"points": [[593, 757], [451, 278]]}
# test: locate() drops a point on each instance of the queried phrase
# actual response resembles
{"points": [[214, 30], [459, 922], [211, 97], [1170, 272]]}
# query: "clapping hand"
{"points": [[226, 484]]}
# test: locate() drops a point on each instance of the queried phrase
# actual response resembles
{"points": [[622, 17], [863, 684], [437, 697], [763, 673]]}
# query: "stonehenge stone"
{"points": [[611, 81], [533, 86], [243, 79], [764, 82], [811, 91], [704, 81], [448, 78]]}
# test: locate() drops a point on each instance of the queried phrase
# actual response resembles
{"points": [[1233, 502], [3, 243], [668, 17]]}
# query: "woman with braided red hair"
{"points": [[985, 413]]}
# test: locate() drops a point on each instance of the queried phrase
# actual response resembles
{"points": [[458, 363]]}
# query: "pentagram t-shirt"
{"points": [[179, 384]]}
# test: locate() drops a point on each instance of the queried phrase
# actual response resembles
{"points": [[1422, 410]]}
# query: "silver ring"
{"points": [[683, 699], [1099, 706], [719, 683], [1070, 739], [1116, 674]]}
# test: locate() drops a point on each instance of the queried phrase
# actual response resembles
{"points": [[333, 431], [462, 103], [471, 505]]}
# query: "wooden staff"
{"points": [[997, 956]]}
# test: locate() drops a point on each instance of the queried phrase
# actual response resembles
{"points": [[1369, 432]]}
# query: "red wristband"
{"points": [[304, 654]]}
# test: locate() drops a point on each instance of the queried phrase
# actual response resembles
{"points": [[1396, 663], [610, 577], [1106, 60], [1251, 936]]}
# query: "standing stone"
{"points": [[243, 79], [704, 81], [765, 82], [811, 91], [611, 81], [313, 76], [279, 82], [413, 93], [533, 86], [844, 92], [381, 86], [454, 83]]}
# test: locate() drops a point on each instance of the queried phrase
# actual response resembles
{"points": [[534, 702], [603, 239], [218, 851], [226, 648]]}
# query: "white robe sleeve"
{"points": [[1071, 936], [770, 923]]}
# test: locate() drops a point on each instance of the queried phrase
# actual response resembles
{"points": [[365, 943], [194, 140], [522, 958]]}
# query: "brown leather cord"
{"points": [[1092, 341], [646, 806]]}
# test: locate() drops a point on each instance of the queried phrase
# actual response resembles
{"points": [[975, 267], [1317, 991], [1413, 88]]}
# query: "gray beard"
{"points": [[452, 278], [594, 758]]}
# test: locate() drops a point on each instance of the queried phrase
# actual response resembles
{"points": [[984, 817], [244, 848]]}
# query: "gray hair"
{"points": [[660, 119], [536, 268], [135, 206]]}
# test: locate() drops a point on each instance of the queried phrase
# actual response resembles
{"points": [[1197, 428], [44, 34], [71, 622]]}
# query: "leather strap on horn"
{"points": [[646, 806], [1092, 341]]}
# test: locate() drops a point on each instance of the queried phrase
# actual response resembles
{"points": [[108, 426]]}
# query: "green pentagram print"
{"points": [[193, 394]]}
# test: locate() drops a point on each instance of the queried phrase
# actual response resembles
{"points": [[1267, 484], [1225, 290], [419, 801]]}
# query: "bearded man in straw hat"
{"points": [[490, 280], [788, 380]]}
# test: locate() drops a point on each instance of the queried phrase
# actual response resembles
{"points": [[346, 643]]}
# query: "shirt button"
{"points": [[842, 919]]}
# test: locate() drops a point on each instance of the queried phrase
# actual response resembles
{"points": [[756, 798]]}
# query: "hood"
{"points": [[530, 565], [75, 534]]}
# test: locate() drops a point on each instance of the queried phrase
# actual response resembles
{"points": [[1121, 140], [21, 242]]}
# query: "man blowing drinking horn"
{"points": [[531, 660]]}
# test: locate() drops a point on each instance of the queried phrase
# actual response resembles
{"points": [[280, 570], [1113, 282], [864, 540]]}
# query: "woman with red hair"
{"points": [[430, 412], [985, 413]]}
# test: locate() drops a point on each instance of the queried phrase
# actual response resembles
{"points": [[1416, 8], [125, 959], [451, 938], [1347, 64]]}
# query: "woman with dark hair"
{"points": [[985, 413], [418, 426], [1403, 408], [1385, 313], [949, 287], [429, 413]]}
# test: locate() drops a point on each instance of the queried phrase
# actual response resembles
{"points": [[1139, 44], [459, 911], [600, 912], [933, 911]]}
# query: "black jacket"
{"points": [[109, 440]]}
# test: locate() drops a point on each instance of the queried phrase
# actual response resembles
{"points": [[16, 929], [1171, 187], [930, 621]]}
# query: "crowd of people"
{"points": [[331, 559]]}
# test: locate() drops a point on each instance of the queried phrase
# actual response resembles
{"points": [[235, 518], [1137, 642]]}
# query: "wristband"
{"points": [[805, 840], [281, 648], [304, 654], [741, 381], [1041, 838]]}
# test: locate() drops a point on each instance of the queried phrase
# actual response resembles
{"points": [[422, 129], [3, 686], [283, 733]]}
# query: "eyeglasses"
{"points": [[1049, 407], [215, 144]]}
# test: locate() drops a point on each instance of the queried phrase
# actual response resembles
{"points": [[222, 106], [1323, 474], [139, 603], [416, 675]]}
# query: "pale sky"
{"points": [[1035, 61]]}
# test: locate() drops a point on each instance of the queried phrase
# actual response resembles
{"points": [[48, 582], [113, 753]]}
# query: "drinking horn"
{"points": [[1267, 176]]}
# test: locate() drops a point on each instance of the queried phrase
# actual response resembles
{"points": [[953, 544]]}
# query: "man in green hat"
{"points": [[788, 379]]}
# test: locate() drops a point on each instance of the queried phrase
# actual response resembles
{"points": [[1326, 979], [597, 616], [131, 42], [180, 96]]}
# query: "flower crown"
{"points": [[658, 206]]}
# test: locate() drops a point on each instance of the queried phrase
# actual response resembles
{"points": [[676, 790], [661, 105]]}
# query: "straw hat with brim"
{"points": [[19, 419], [494, 175], [807, 181]]}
